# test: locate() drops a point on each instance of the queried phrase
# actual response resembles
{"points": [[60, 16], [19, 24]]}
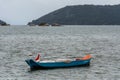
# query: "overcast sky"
{"points": [[20, 12]]}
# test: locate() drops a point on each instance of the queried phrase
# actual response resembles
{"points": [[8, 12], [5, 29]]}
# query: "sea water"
{"points": [[17, 43]]}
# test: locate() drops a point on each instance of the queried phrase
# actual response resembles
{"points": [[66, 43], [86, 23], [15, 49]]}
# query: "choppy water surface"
{"points": [[102, 42]]}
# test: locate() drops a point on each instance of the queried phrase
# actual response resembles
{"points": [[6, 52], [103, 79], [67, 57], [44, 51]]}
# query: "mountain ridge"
{"points": [[82, 15]]}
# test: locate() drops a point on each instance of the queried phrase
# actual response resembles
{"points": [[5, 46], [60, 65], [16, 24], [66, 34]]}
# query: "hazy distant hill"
{"points": [[83, 15], [2, 23]]}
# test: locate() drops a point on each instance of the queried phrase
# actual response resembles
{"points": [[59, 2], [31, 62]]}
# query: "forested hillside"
{"points": [[83, 15]]}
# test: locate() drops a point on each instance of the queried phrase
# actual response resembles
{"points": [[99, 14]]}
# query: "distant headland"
{"points": [[82, 15], [2, 23]]}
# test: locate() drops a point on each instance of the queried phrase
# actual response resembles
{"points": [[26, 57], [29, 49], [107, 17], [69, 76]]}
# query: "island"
{"points": [[82, 15], [2, 23]]}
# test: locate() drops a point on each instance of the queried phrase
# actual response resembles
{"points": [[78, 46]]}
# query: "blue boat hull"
{"points": [[47, 65]]}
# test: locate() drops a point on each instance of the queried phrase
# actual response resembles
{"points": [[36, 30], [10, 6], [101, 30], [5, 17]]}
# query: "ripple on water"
{"points": [[16, 43]]}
